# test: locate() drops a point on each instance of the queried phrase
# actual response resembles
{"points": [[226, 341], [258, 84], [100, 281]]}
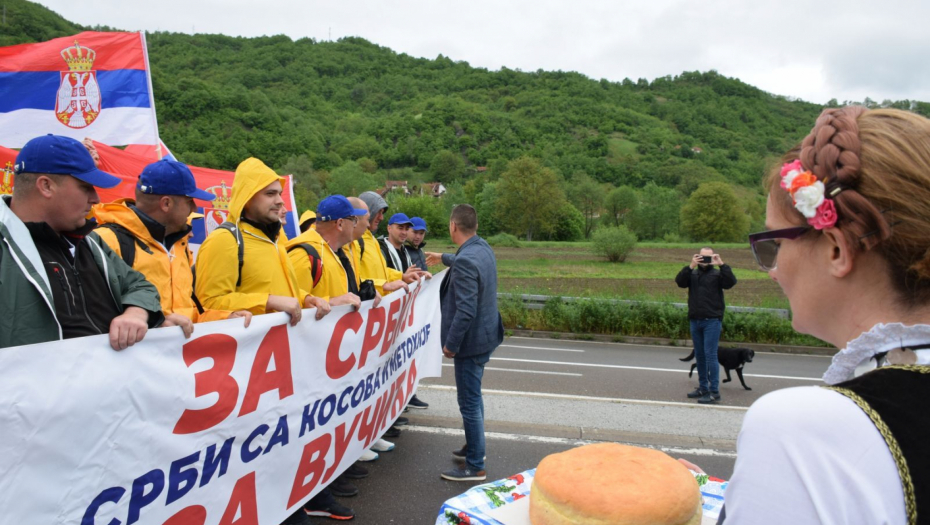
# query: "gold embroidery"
{"points": [[910, 503]]}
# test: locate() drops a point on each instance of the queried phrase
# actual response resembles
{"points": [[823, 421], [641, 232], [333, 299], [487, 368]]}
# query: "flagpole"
{"points": [[148, 78]]}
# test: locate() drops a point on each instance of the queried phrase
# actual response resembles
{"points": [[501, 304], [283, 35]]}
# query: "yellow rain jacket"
{"points": [[372, 264], [334, 281], [170, 271], [266, 269]]}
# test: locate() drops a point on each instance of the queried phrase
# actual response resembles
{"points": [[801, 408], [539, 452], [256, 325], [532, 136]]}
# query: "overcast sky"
{"points": [[809, 49]]}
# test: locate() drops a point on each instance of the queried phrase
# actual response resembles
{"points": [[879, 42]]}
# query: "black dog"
{"points": [[729, 359]]}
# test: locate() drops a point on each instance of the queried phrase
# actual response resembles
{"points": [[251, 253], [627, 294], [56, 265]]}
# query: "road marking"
{"points": [[572, 397], [528, 371], [544, 348], [669, 347], [623, 367], [565, 441]]}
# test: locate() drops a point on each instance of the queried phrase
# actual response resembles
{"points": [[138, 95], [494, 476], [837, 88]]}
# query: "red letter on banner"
{"points": [[194, 515], [276, 345], [342, 443], [372, 334], [242, 503], [335, 366], [221, 349], [313, 464], [391, 326]]}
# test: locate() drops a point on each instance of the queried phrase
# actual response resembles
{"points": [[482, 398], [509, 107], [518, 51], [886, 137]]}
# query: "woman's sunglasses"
{"points": [[765, 248]]}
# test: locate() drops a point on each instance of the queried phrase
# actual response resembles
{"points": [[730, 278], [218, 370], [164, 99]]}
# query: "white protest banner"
{"points": [[232, 426]]}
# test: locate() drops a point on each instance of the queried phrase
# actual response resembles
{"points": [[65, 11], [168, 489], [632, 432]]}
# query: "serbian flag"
{"points": [[91, 84]]}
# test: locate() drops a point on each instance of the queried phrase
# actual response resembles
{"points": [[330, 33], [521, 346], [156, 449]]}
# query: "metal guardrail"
{"points": [[537, 302]]}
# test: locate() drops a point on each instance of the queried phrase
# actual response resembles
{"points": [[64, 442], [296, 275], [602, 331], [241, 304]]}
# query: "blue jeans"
{"points": [[706, 336], [468, 374]]}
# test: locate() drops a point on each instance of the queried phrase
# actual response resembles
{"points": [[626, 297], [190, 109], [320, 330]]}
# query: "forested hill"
{"points": [[312, 107]]}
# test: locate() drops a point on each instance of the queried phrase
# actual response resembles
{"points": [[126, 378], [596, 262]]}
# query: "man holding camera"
{"points": [[705, 285]]}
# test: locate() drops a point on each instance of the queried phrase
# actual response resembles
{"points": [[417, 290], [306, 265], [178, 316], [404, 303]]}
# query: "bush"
{"points": [[504, 240], [614, 243]]}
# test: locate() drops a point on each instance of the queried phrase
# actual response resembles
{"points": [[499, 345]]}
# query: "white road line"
{"points": [[572, 397], [595, 365], [544, 348], [669, 347], [528, 371], [564, 441]]}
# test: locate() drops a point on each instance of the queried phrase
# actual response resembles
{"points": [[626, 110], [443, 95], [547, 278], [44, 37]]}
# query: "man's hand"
{"points": [[376, 300], [448, 354], [696, 260], [128, 328], [717, 260], [187, 326], [245, 314], [322, 306], [395, 285], [289, 305], [349, 298], [414, 274], [433, 258]]}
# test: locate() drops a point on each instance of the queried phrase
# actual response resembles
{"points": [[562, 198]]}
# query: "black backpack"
{"points": [[316, 262], [127, 242]]}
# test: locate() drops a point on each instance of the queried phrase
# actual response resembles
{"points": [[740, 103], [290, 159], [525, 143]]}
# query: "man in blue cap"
{"points": [[59, 279], [392, 245], [151, 234], [415, 243]]}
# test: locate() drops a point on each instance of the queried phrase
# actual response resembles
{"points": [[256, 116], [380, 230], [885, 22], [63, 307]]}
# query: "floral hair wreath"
{"points": [[809, 195]]}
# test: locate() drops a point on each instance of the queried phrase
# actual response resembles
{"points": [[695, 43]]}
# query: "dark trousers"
{"points": [[705, 333], [468, 374]]}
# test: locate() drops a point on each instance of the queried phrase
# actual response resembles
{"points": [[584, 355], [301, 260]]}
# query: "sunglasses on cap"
{"points": [[765, 246]]}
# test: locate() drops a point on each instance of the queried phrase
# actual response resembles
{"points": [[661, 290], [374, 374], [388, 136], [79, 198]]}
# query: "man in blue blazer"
{"points": [[471, 330]]}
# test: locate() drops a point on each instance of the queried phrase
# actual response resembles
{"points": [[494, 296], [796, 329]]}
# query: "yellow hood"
{"points": [[252, 176]]}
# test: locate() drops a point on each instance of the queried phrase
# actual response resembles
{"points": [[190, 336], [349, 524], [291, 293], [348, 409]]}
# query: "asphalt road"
{"points": [[544, 396]]}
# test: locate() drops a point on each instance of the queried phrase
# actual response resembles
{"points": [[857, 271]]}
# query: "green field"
{"points": [[572, 269]]}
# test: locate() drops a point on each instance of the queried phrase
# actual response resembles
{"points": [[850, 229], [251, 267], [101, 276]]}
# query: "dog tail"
{"points": [[690, 356]]}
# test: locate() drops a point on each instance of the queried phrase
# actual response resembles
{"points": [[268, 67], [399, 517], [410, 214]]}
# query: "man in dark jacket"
{"points": [[59, 279], [415, 243], [471, 330], [705, 286]]}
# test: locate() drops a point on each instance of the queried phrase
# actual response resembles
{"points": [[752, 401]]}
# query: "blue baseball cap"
{"points": [[336, 207], [418, 224], [170, 177], [57, 155], [399, 218]]}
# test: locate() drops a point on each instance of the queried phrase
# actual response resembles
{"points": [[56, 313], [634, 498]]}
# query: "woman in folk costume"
{"points": [[849, 243]]}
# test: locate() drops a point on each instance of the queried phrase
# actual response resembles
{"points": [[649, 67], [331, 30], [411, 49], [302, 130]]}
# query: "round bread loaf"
{"points": [[613, 484]]}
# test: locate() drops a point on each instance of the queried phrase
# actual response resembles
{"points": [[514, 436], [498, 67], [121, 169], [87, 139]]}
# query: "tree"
{"points": [[447, 166], [529, 196], [350, 180], [588, 197], [657, 213], [619, 204], [713, 214]]}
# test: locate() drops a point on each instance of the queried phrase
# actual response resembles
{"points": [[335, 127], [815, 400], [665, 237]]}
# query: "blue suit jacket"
{"points": [[471, 322]]}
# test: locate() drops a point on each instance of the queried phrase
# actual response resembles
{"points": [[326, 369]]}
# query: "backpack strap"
{"points": [[127, 242], [316, 262], [237, 233], [194, 283]]}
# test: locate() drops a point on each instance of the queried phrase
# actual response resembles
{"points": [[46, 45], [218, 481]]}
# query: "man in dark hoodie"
{"points": [[59, 279], [415, 243]]}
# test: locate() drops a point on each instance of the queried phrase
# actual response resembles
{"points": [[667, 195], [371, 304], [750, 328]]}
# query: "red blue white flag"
{"points": [[92, 84]]}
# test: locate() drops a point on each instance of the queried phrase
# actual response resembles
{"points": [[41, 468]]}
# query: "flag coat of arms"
{"points": [[92, 84]]}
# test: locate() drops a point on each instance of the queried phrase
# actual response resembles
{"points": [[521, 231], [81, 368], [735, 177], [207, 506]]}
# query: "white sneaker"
{"points": [[382, 446], [368, 455]]}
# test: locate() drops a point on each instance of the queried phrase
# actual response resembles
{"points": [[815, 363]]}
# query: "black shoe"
{"points": [[331, 509], [465, 473], [297, 518], [416, 403], [356, 471], [715, 395], [698, 392], [392, 432], [709, 398], [342, 488], [460, 453], [401, 421]]}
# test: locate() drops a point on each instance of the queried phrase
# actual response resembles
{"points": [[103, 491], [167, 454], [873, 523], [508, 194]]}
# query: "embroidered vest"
{"points": [[894, 398]]}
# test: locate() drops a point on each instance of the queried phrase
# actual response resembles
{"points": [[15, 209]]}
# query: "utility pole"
{"points": [[330, 30]]}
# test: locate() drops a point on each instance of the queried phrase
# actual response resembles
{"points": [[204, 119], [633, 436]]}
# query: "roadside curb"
{"points": [[684, 343]]}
